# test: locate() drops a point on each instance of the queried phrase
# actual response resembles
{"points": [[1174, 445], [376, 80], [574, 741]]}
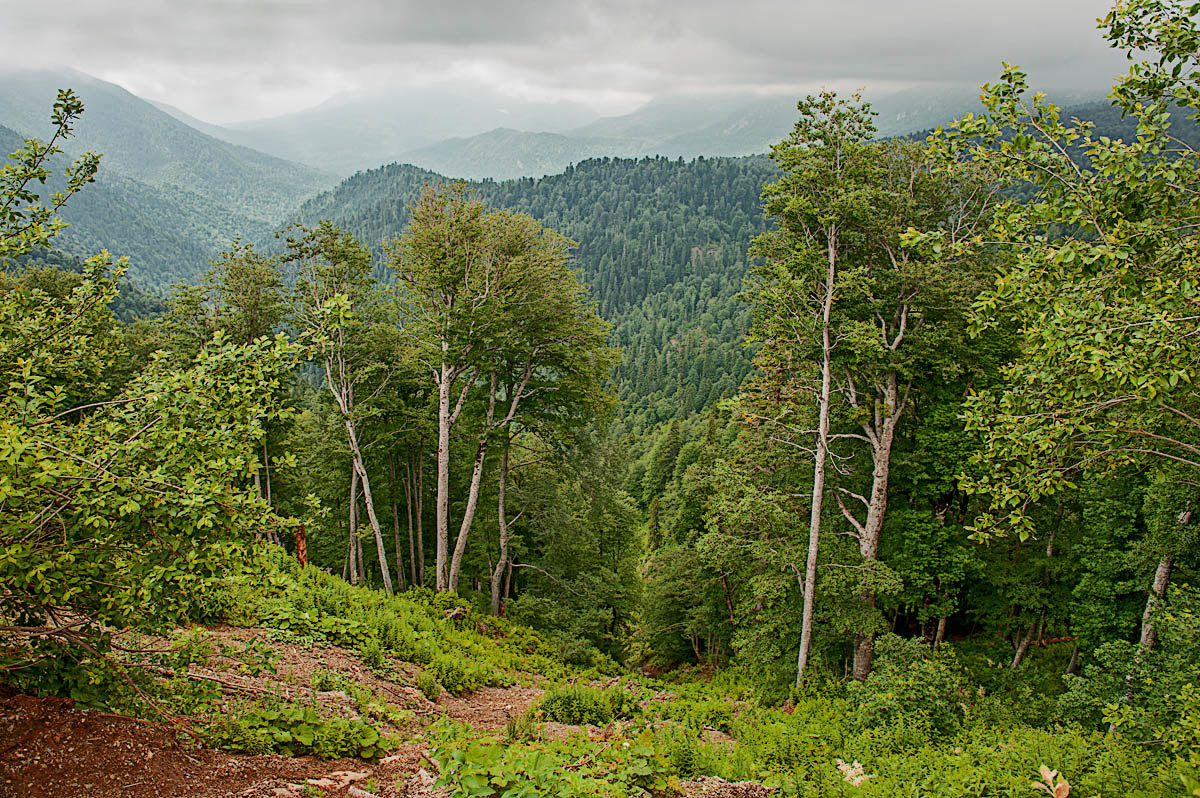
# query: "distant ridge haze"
{"points": [[477, 133]]}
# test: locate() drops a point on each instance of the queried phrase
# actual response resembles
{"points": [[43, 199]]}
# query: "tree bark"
{"points": [[1023, 646], [370, 504], [882, 435], [502, 523], [822, 453], [464, 527], [343, 394], [301, 546], [1073, 665], [396, 520], [1158, 590], [1148, 636], [408, 504], [354, 573], [442, 513], [420, 514], [940, 637]]}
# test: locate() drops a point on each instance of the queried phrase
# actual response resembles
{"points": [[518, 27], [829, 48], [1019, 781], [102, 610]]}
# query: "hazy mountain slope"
{"points": [[216, 131], [662, 243], [10, 140], [169, 234], [503, 154], [150, 146], [674, 126], [356, 132]]}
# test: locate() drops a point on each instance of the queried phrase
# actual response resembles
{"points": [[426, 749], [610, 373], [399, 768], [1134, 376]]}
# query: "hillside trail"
{"points": [[49, 746]]}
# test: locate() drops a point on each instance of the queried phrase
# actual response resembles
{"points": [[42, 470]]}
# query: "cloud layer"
{"points": [[225, 60]]}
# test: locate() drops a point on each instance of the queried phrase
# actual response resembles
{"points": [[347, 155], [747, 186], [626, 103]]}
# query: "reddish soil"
{"points": [[489, 708], [51, 748]]}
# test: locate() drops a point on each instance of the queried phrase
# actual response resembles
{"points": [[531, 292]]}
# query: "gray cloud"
{"points": [[233, 59]]}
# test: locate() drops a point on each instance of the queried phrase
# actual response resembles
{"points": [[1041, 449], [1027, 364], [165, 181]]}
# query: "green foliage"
{"points": [[121, 505], [908, 684], [578, 705], [570, 768], [429, 685], [662, 246], [297, 731], [411, 626]]}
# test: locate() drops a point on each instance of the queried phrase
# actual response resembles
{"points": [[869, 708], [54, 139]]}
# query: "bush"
{"points": [[710, 714], [577, 705], [429, 685], [296, 731], [908, 683]]}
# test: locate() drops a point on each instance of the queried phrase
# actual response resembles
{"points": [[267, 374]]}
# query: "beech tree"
{"points": [[487, 300], [820, 203], [1103, 278], [873, 317], [338, 307]]}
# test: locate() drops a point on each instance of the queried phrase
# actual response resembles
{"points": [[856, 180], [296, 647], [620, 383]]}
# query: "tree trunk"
{"points": [[408, 504], [301, 546], [728, 601], [362, 567], [464, 527], [1158, 590], [1148, 636], [370, 504], [343, 395], [507, 586], [442, 513], [1073, 665], [868, 539], [502, 523], [420, 528], [940, 637], [818, 486], [396, 520], [1023, 646], [354, 573]]}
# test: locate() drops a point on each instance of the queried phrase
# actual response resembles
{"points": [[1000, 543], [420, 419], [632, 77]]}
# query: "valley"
{"points": [[634, 432]]}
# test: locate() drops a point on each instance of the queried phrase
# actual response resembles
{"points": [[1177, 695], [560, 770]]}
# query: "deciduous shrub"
{"points": [[908, 682]]}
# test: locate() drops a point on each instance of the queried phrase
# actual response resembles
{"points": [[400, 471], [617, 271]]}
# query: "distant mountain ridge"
{"points": [[144, 143], [167, 195], [678, 127]]}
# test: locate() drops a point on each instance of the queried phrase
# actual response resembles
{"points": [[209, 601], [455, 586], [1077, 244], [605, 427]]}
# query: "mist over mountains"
{"points": [[174, 190]]}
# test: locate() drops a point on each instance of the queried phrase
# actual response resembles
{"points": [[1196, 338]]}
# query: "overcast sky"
{"points": [[229, 60]]}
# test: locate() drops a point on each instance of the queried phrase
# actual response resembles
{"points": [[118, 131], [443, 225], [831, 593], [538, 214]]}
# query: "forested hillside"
{"points": [[865, 469], [169, 197], [661, 243], [143, 143]]}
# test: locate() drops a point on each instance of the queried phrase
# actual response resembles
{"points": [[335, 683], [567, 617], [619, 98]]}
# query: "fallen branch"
{"points": [[585, 760]]}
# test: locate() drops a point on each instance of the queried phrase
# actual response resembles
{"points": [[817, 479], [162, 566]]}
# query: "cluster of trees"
{"points": [[974, 407], [475, 378], [296, 394], [967, 407], [661, 245]]}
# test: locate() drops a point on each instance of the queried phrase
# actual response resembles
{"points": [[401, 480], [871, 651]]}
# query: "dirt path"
{"points": [[489, 708], [50, 747]]}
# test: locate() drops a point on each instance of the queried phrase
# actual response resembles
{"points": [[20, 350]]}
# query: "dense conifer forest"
{"points": [[867, 467]]}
